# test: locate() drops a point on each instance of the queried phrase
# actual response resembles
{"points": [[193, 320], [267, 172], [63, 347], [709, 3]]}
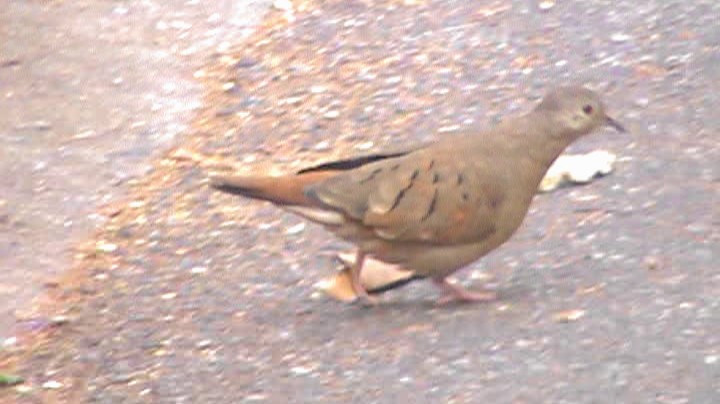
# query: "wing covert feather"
{"points": [[424, 196]]}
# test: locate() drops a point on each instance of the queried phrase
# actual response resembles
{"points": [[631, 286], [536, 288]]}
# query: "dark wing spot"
{"points": [[436, 178], [402, 192], [431, 165], [431, 208], [465, 196], [460, 178], [371, 176], [495, 200], [395, 167], [398, 198]]}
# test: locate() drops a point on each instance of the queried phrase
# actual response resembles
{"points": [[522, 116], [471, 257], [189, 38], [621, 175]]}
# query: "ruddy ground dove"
{"points": [[435, 208]]}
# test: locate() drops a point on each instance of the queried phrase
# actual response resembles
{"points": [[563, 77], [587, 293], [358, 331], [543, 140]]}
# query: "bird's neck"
{"points": [[545, 139]]}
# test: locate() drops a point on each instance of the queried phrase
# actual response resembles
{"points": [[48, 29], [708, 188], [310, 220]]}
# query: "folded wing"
{"points": [[429, 197]]}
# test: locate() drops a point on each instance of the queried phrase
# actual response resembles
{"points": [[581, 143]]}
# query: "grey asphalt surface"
{"points": [[609, 292], [90, 91]]}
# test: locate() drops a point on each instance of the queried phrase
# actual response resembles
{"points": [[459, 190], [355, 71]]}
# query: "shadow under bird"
{"points": [[434, 208]]}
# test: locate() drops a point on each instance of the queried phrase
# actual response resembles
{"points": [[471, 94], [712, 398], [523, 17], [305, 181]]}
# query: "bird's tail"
{"points": [[281, 190]]}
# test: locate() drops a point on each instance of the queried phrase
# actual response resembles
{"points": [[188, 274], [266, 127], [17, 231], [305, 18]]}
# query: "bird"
{"points": [[433, 208]]}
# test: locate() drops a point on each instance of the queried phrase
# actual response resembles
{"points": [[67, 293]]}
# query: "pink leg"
{"points": [[456, 293], [355, 270]]}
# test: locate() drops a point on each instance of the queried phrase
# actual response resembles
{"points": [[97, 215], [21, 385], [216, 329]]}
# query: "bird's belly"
{"points": [[432, 260], [435, 261]]}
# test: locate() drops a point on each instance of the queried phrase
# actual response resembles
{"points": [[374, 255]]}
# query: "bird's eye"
{"points": [[588, 109]]}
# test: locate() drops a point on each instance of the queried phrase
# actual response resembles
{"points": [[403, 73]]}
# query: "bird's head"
{"points": [[576, 110]]}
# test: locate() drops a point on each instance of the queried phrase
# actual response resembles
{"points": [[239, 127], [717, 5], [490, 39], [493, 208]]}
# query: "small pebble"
{"points": [[365, 145], [300, 370], [105, 247], [52, 385], [546, 5], [450, 128], [569, 315], [59, 320], [283, 5], [120, 10], [41, 125], [292, 100], [323, 145], [642, 102], [619, 37], [84, 134], [8, 342], [651, 263], [298, 228], [136, 204], [331, 114]]}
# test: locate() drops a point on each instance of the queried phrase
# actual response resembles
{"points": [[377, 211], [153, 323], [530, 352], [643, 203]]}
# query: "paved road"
{"points": [[90, 90], [609, 293]]}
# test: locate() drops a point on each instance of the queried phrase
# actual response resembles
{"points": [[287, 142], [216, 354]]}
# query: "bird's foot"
{"points": [[362, 295], [455, 293]]}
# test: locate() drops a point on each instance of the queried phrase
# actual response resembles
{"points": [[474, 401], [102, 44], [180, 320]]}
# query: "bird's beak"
{"points": [[615, 124]]}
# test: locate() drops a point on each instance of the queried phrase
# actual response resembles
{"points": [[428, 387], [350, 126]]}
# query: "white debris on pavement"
{"points": [[578, 169]]}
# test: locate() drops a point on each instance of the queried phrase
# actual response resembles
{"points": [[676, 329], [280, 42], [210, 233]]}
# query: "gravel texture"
{"points": [[89, 91], [609, 292]]}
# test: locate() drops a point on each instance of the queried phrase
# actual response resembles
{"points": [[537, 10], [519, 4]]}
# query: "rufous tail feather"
{"points": [[281, 190]]}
